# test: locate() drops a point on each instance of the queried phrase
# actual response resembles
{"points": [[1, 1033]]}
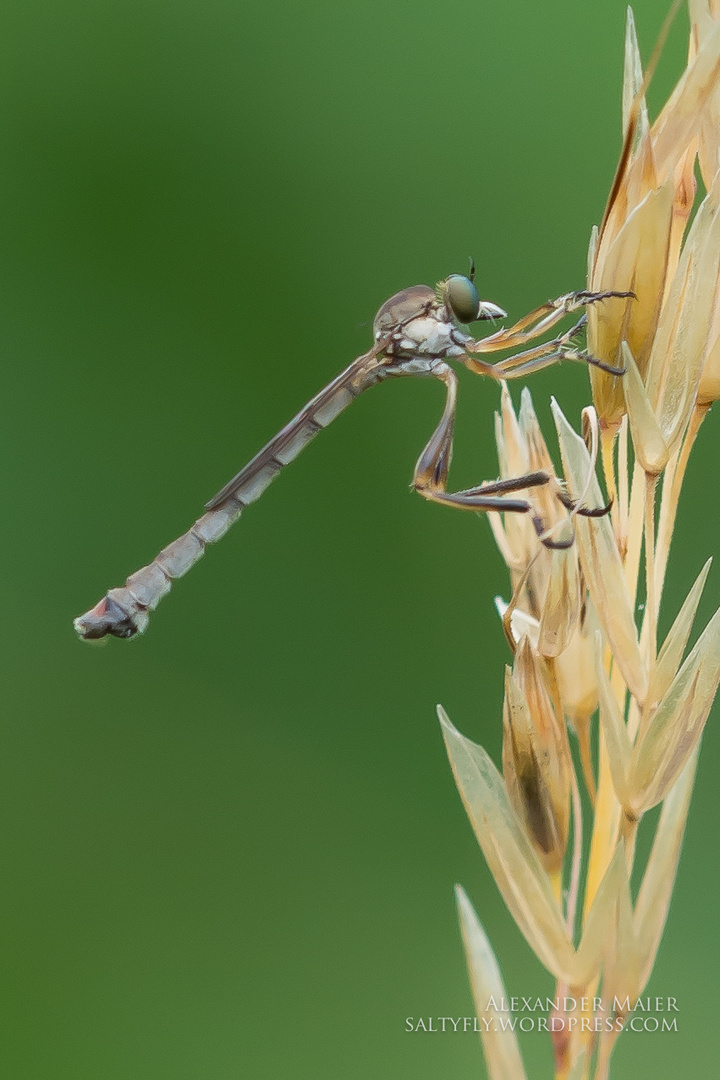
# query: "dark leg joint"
{"points": [[583, 511], [590, 359], [594, 512], [554, 545]]}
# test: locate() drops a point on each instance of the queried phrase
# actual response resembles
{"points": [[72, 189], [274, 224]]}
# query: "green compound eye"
{"points": [[462, 298]]}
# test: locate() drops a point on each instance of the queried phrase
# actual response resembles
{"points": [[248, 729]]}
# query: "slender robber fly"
{"points": [[414, 333]]}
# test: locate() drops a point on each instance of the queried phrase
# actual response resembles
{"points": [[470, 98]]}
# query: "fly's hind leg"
{"points": [[431, 475]]}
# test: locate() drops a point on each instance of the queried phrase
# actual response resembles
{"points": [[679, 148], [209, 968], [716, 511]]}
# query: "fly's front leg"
{"points": [[431, 474], [541, 320], [529, 361]]}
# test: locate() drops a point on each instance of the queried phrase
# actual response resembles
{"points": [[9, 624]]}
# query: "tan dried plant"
{"points": [[579, 651]]}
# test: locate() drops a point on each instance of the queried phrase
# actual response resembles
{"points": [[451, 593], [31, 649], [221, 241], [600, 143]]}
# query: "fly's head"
{"points": [[460, 296]]}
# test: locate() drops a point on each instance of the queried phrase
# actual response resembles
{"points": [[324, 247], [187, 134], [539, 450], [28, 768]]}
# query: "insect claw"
{"points": [[611, 294], [629, 295]]}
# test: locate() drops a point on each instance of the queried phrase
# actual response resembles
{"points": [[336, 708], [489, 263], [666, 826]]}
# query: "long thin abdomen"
{"points": [[125, 612]]}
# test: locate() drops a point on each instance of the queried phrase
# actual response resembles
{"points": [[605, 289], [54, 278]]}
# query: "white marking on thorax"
{"points": [[428, 336]]}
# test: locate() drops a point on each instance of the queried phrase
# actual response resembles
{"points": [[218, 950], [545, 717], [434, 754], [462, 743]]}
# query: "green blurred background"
{"points": [[229, 848]]}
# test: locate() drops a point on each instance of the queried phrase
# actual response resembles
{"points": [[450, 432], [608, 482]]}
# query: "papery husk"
{"points": [[650, 446], [513, 533], [681, 342], [639, 242], [561, 609], [524, 884], [634, 942], [674, 731], [653, 901], [617, 741], [600, 561], [703, 20], [500, 1045], [671, 653], [536, 758]]}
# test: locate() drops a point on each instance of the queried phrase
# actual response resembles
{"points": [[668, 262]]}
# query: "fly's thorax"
{"points": [[416, 324], [404, 306]]}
